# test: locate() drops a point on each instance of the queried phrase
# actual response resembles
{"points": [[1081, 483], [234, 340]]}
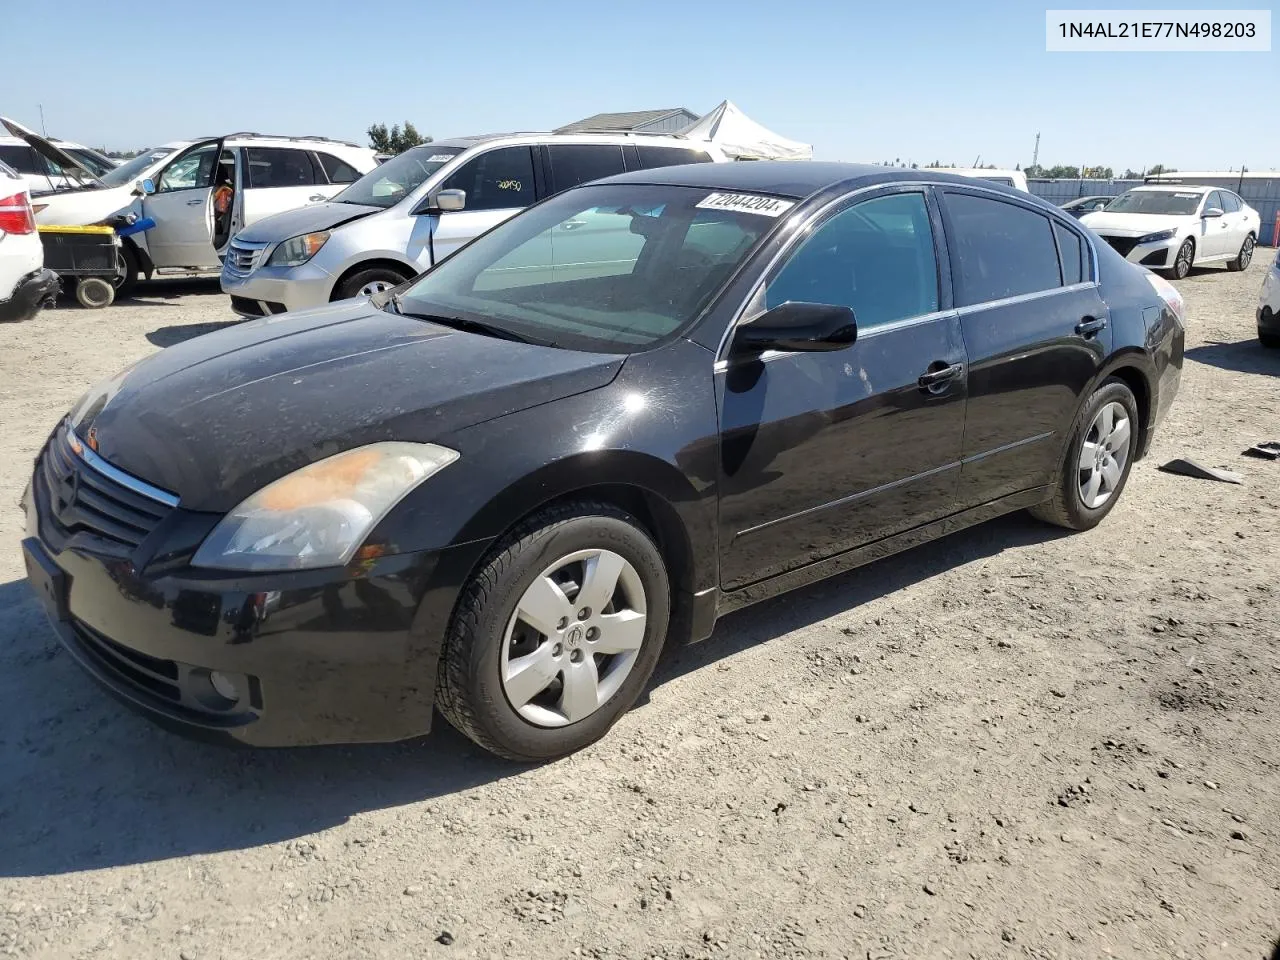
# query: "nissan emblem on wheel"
{"points": [[502, 488]]}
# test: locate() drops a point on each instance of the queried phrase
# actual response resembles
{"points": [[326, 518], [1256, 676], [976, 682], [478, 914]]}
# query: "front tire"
{"points": [[557, 635], [1183, 261], [365, 283], [1241, 262], [1099, 456]]}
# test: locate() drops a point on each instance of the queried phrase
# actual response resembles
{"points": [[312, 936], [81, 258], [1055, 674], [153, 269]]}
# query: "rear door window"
{"points": [[999, 249], [496, 180], [575, 163], [651, 156], [338, 171], [280, 167]]}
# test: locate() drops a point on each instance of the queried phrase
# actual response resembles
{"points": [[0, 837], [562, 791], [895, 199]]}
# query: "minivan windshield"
{"points": [[130, 170], [609, 268], [389, 183], [1177, 203]]}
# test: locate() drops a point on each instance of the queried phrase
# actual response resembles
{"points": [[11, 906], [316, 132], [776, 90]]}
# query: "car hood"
{"points": [[216, 418], [308, 219], [1133, 224], [48, 150], [74, 207]]}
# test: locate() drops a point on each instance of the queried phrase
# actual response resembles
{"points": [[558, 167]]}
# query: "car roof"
{"points": [[595, 136], [792, 178], [1174, 187]]}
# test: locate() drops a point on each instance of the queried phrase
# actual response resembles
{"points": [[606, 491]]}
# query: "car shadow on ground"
{"points": [[85, 784], [1242, 356], [180, 333]]}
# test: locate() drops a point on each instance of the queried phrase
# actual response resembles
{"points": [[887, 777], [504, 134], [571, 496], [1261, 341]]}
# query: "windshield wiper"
{"points": [[463, 323]]}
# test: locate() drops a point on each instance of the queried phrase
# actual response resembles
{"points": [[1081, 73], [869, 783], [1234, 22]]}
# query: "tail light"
{"points": [[16, 215], [1170, 295]]}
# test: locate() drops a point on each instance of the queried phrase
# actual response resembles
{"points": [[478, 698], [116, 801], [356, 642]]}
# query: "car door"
{"points": [[277, 179], [822, 452], [1035, 331], [1237, 222], [182, 207], [1215, 233], [498, 184]]}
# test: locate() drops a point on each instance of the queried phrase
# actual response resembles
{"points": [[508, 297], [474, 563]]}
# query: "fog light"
{"points": [[224, 686]]}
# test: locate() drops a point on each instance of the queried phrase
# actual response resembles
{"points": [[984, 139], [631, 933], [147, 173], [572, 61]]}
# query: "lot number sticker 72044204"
{"points": [[747, 203]]}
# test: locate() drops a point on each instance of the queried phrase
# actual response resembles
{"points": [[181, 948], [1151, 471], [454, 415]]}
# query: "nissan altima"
{"points": [[498, 489]]}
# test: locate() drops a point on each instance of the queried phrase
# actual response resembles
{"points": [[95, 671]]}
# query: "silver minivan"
{"points": [[417, 208]]}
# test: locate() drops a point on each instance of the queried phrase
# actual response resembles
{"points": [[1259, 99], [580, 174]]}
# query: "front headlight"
{"points": [[296, 251], [1157, 237], [318, 516]]}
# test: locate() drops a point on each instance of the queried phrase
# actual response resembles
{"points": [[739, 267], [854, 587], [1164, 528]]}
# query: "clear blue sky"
{"points": [[918, 81]]}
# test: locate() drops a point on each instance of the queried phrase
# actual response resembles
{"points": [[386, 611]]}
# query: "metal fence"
{"points": [[1260, 192]]}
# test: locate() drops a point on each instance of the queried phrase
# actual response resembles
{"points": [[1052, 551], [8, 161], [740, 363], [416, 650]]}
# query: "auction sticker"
{"points": [[440, 157], [747, 203]]}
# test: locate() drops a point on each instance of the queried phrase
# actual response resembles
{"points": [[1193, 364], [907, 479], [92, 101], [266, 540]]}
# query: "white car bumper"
{"points": [[1269, 300], [1158, 255], [260, 291]]}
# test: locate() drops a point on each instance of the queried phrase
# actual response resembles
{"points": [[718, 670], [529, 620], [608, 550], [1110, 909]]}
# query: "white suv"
{"points": [[25, 286], [417, 208], [183, 186], [41, 174]]}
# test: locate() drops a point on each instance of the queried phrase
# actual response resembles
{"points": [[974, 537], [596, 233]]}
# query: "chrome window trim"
{"points": [[720, 362], [1023, 298], [111, 472]]}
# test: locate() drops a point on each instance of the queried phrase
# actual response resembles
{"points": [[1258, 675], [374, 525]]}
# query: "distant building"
{"points": [[635, 121]]}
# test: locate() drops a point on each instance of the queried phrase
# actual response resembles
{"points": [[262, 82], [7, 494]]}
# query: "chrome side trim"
{"points": [[975, 457], [849, 499], [1023, 298], [126, 480]]}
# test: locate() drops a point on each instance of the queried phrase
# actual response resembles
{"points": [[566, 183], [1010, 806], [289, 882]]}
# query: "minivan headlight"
{"points": [[296, 251], [319, 515], [1157, 237]]}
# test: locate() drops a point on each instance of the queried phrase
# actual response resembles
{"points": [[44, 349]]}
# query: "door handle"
{"points": [[194, 203], [1090, 327], [939, 376]]}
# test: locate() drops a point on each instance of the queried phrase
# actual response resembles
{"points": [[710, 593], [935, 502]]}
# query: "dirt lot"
{"points": [[1010, 744]]}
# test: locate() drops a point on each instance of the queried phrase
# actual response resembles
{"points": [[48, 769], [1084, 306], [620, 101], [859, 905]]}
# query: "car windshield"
{"points": [[389, 183], [130, 170], [1178, 203], [612, 268]]}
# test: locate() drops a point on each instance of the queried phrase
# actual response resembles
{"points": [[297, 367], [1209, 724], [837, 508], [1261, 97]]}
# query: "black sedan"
{"points": [[1082, 205], [499, 489]]}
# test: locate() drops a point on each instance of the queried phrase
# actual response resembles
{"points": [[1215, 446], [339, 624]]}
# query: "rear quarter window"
{"points": [[999, 249], [651, 156], [280, 167]]}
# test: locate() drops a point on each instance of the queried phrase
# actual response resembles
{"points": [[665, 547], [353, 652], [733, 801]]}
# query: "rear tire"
{"points": [[1241, 262], [1185, 258], [93, 293], [364, 283], [1097, 460], [514, 687]]}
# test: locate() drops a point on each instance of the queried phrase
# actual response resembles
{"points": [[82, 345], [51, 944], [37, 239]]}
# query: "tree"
{"points": [[1160, 168], [1062, 172], [1130, 174], [1097, 173], [395, 140]]}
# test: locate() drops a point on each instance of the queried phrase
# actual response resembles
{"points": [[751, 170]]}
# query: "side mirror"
{"points": [[441, 201], [144, 188], [1211, 213], [798, 327]]}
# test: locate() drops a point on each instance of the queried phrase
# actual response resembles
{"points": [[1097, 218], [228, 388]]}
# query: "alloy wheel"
{"points": [[1246, 252], [1104, 455], [375, 286], [1183, 265], [574, 638]]}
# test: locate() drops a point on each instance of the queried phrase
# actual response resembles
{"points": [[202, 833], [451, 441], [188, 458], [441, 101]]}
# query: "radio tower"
{"points": [[1035, 154]]}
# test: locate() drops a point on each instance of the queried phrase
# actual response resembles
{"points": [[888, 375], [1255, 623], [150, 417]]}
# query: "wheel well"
{"points": [[1133, 378], [388, 264], [140, 256]]}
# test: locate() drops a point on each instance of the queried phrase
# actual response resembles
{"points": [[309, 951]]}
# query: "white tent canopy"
{"points": [[741, 138]]}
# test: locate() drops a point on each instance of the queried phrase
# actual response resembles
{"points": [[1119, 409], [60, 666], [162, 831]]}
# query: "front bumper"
{"points": [[327, 656], [268, 290], [35, 291], [1157, 255]]}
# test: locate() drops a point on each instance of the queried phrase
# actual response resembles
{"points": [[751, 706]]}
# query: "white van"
{"points": [[1007, 178], [417, 208], [175, 185]]}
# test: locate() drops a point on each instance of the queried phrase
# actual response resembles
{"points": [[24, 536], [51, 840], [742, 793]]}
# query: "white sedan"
{"points": [[25, 285], [1269, 307], [1175, 227]]}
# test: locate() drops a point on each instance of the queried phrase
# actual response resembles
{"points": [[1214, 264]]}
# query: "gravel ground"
{"points": [[1012, 743]]}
